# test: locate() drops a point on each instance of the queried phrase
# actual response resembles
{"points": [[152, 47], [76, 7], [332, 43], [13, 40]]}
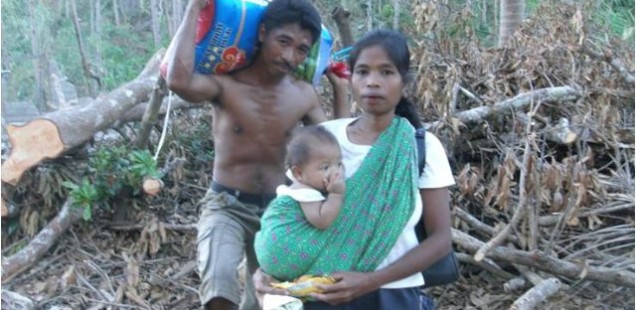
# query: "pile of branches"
{"points": [[541, 136]]}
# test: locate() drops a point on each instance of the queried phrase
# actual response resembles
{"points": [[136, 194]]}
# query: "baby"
{"points": [[315, 168], [306, 207]]}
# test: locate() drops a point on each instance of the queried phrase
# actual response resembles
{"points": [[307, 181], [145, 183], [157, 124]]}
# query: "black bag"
{"points": [[446, 270]]}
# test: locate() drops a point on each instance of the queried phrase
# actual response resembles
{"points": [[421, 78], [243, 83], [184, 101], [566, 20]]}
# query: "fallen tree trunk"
{"points": [[50, 135], [518, 102], [43, 241], [547, 263], [137, 112]]}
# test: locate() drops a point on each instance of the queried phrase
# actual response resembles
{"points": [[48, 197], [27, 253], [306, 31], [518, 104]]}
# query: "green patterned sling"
{"points": [[379, 200]]}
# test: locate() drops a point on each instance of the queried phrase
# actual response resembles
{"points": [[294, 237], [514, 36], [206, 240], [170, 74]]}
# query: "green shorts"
{"points": [[226, 231]]}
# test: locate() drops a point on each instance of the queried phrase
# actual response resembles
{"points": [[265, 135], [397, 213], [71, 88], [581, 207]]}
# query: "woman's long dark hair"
{"points": [[395, 46]]}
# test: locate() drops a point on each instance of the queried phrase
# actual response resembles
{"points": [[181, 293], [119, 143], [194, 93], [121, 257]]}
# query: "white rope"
{"points": [[165, 126]]}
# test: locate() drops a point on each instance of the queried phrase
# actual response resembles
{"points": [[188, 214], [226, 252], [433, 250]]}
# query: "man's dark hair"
{"points": [[281, 12], [303, 138]]}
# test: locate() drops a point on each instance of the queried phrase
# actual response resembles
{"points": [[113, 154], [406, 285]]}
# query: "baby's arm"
{"points": [[322, 213]]}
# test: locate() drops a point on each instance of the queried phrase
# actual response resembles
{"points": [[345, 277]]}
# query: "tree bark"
{"points": [[396, 14], [512, 14], [369, 15], [51, 134], [341, 17], [547, 263], [520, 101], [175, 19], [38, 59], [116, 13], [137, 112], [12, 300], [542, 291], [43, 241], [616, 63], [150, 116], [521, 206], [155, 16], [88, 72]]}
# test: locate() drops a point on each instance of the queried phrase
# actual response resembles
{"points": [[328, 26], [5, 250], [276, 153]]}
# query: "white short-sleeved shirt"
{"points": [[436, 174]]}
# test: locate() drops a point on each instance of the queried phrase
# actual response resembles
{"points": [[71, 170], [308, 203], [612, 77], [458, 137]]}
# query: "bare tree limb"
{"points": [[341, 16], [521, 207], [610, 59], [486, 264], [540, 292], [88, 72], [43, 241], [518, 102], [150, 116], [12, 300], [549, 264]]}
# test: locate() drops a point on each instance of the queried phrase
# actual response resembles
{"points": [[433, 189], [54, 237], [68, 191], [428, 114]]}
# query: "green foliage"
{"points": [[117, 55], [617, 16], [110, 171], [84, 196]]}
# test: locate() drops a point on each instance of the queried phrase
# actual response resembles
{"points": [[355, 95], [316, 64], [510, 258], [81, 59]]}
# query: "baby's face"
{"points": [[325, 161]]}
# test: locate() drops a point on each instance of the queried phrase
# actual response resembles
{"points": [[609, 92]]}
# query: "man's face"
{"points": [[284, 48]]}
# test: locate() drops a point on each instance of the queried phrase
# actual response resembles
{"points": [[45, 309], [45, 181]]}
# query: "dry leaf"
{"points": [[69, 278]]}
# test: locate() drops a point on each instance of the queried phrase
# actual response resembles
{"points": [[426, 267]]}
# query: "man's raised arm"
{"points": [[181, 78]]}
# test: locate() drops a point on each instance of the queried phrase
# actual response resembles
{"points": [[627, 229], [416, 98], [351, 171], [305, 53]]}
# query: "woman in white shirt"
{"points": [[383, 136]]}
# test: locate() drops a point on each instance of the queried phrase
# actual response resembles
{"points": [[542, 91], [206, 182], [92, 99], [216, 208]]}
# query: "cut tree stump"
{"points": [[50, 135]]}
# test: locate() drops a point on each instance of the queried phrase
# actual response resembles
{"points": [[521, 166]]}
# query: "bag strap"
{"points": [[420, 139], [420, 134]]}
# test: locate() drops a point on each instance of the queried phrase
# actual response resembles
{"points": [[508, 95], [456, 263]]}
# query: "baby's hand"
{"points": [[334, 183]]}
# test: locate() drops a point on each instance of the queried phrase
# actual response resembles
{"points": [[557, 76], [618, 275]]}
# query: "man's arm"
{"points": [[181, 77], [316, 115]]}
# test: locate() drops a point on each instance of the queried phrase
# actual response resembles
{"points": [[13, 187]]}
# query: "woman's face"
{"points": [[376, 82]]}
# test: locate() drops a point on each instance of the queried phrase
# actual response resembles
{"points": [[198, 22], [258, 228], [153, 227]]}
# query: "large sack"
{"points": [[227, 33]]}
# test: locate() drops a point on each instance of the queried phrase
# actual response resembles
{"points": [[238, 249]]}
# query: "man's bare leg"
{"points": [[220, 304]]}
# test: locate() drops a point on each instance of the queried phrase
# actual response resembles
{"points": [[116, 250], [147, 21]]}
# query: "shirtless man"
{"points": [[255, 109]]}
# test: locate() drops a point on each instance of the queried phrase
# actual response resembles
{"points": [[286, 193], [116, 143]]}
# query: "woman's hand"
{"points": [[262, 284], [338, 75], [350, 286]]}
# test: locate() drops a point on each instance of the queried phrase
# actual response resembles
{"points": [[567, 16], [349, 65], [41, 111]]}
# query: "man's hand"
{"points": [[262, 285], [350, 286]]}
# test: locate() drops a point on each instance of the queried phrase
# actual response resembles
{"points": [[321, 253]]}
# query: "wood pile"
{"points": [[541, 136]]}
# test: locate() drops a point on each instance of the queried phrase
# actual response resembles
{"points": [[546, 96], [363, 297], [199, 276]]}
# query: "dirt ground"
{"points": [[100, 265]]}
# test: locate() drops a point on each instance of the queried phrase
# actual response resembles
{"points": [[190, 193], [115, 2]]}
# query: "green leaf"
{"points": [[70, 185]]}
